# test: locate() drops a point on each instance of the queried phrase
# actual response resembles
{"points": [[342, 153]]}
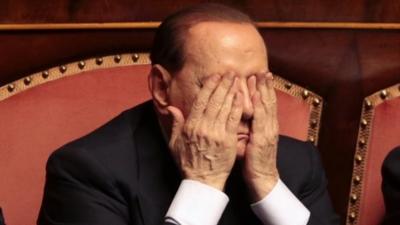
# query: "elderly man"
{"points": [[205, 151]]}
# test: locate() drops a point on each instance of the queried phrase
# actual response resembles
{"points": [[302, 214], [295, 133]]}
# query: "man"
{"points": [[211, 138], [391, 186]]}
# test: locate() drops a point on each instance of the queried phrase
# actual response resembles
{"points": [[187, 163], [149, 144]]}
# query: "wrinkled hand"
{"points": [[260, 171], [204, 145]]}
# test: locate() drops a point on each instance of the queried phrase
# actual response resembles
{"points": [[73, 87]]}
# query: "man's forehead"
{"points": [[202, 32], [209, 37], [220, 47]]}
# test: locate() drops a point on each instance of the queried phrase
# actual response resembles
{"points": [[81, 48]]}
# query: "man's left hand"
{"points": [[259, 170]]}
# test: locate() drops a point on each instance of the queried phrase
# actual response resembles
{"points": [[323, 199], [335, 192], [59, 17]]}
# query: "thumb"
{"points": [[177, 123]]}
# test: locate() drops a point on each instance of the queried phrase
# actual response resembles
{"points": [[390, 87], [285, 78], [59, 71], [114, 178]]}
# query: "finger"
{"points": [[271, 105], [218, 97], [267, 92], [259, 116], [251, 85], [227, 105], [235, 115], [177, 123], [270, 87], [202, 99], [262, 87]]}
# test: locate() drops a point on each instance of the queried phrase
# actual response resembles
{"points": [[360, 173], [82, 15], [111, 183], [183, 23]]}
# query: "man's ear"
{"points": [[159, 86]]}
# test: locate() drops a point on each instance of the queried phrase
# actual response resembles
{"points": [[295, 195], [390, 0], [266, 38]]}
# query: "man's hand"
{"points": [[260, 171], [204, 145]]}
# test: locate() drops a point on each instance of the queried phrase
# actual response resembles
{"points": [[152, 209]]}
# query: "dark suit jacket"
{"points": [[122, 173], [391, 187]]}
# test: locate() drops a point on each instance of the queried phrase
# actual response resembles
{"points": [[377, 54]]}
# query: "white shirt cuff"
{"points": [[281, 207], [196, 203]]}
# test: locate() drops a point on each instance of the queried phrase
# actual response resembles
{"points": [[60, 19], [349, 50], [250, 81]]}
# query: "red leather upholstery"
{"points": [[293, 116], [381, 134], [39, 120]]}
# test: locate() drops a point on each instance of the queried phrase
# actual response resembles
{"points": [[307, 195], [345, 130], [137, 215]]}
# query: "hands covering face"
{"points": [[259, 170], [204, 145]]}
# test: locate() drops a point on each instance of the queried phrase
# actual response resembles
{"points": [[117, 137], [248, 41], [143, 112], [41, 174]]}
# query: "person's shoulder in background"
{"points": [[1, 218], [391, 187]]}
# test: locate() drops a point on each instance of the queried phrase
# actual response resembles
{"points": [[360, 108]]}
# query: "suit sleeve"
{"points": [[391, 187], [80, 191], [315, 194]]}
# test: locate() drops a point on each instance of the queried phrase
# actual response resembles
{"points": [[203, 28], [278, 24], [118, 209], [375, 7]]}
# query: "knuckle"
{"points": [[216, 137], [188, 129], [213, 106], [198, 105], [222, 114], [234, 117], [201, 132], [229, 97], [224, 109], [218, 124]]}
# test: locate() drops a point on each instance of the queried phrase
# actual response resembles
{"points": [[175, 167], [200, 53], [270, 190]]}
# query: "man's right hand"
{"points": [[204, 144]]}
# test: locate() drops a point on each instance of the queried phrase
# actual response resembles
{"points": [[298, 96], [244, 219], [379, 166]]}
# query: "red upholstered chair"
{"points": [[378, 134], [45, 110]]}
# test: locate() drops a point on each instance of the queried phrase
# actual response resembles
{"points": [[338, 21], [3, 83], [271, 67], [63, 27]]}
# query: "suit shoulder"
{"points": [[294, 147], [117, 129], [298, 162], [111, 146]]}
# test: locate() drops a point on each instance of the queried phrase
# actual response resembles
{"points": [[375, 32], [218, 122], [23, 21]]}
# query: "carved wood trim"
{"points": [[153, 25], [75, 68], [71, 69]]}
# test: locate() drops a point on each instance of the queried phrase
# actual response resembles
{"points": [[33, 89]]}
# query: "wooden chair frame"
{"points": [[71, 69]]}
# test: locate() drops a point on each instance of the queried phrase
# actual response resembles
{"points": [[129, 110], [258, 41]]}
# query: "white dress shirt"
{"points": [[196, 203]]}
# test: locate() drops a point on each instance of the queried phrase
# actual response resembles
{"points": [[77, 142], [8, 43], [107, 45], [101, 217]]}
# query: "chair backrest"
{"points": [[299, 110], [45, 110], [378, 134]]}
